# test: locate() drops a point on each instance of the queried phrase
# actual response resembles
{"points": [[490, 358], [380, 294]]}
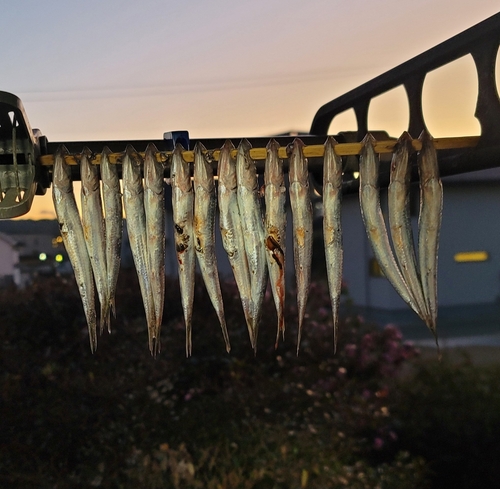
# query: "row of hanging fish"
{"points": [[252, 236]]}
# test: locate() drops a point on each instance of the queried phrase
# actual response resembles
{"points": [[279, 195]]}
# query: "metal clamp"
{"points": [[19, 152]]}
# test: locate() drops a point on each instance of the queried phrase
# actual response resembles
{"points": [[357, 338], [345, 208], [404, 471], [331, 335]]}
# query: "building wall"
{"points": [[9, 259], [470, 223]]}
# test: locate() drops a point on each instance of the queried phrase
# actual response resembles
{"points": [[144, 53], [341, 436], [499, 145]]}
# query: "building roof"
{"points": [[25, 226], [8, 239]]}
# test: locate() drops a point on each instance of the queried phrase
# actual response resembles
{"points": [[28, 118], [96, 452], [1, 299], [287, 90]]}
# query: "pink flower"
{"points": [[350, 350]]}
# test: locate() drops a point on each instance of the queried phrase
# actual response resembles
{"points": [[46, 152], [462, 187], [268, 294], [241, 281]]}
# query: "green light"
{"points": [[42, 256], [59, 258]]}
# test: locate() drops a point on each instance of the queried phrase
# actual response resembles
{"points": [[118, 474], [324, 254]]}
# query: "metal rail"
{"points": [[481, 42]]}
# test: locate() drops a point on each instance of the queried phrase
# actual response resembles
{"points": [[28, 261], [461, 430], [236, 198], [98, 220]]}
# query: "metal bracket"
{"points": [[19, 152], [173, 137]]}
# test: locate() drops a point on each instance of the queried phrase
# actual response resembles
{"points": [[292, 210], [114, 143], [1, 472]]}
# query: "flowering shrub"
{"points": [[120, 419]]}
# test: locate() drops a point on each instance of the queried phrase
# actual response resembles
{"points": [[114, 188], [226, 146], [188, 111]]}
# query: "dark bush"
{"points": [[120, 419]]}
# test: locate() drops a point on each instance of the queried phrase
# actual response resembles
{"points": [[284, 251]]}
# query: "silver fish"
{"points": [[302, 222], [398, 195], [429, 223], [204, 232], [275, 229], [183, 217], [93, 231], [332, 228], [253, 229], [232, 230], [74, 241], [133, 201], [113, 221], [371, 212], [154, 205]]}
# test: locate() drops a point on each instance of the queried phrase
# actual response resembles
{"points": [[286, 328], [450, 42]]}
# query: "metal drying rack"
{"points": [[26, 155]]}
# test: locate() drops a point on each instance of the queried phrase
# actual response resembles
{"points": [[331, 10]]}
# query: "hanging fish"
{"points": [[275, 229], [232, 230], [302, 223], [398, 195], [133, 201], [74, 241], [183, 216], [332, 228], [429, 223], [204, 232], [93, 231], [113, 222], [373, 219], [253, 229], [154, 206]]}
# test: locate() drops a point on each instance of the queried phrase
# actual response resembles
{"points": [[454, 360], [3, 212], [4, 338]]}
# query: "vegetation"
{"points": [[121, 419]]}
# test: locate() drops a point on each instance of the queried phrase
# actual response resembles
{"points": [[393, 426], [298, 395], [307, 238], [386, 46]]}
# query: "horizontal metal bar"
{"points": [[309, 151]]}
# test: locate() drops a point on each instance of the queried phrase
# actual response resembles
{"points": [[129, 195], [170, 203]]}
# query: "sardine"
{"points": [[113, 221], [398, 195], [253, 229], [373, 219], [93, 231], [204, 232], [275, 229], [183, 216], [154, 205], [332, 228], [302, 223], [133, 201], [74, 241], [429, 223], [232, 230]]}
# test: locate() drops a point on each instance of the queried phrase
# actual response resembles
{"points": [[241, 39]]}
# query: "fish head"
{"points": [[89, 172], [246, 172], [227, 166], [131, 168], [400, 169], [203, 172], [273, 170], [427, 159], [153, 170], [61, 176], [180, 173], [109, 171], [298, 164], [368, 161], [332, 165]]}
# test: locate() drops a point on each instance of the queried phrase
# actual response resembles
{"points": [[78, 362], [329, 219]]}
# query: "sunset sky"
{"points": [[122, 69]]}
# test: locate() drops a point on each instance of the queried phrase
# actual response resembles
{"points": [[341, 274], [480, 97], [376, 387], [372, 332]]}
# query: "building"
{"points": [[9, 261], [39, 247]]}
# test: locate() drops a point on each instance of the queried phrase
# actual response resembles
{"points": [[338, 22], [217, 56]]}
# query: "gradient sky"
{"points": [[122, 69]]}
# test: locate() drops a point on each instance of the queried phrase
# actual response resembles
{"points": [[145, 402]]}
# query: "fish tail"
{"points": [[189, 345], [105, 317], [225, 333], [112, 307], [335, 325], [154, 346], [93, 336], [281, 327], [299, 336]]}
